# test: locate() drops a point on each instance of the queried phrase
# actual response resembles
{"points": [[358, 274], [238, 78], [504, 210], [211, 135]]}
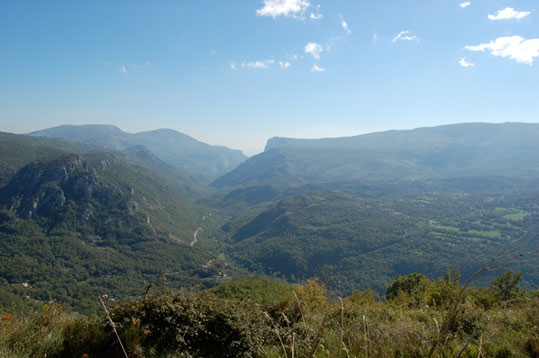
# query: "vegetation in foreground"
{"points": [[252, 318]]}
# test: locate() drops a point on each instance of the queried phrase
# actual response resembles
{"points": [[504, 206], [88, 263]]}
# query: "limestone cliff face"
{"points": [[44, 187], [99, 194]]}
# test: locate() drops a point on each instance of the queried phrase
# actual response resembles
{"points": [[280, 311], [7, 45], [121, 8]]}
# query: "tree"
{"points": [[410, 288], [505, 287]]}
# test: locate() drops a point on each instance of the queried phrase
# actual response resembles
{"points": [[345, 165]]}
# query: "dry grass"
{"points": [[310, 325]]}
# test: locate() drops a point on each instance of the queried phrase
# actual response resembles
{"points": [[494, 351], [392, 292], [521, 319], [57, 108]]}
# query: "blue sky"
{"points": [[236, 73]]}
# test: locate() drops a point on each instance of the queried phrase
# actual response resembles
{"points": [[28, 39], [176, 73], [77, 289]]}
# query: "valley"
{"points": [[269, 179], [81, 217]]}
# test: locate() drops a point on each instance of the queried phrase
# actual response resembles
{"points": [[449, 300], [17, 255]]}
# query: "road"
{"points": [[195, 234]]}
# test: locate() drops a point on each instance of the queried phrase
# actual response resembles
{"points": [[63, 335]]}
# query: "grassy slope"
{"points": [[298, 321]]}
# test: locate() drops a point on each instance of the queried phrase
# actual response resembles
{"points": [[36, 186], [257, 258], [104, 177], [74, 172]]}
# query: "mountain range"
{"points": [[88, 210], [439, 152], [175, 148]]}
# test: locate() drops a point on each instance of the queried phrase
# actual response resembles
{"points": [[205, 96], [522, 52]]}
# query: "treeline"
{"points": [[418, 317]]}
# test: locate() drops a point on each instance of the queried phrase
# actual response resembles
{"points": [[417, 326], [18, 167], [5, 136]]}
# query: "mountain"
{"points": [[205, 161], [19, 150], [182, 180], [80, 219], [94, 189], [358, 211], [425, 153], [77, 225]]}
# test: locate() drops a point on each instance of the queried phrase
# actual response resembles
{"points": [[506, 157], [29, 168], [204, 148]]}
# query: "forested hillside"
{"points": [[76, 226], [79, 219], [355, 242]]}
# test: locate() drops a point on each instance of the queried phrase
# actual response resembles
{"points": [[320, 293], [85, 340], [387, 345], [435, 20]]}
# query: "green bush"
{"points": [[192, 326], [506, 287], [409, 289], [484, 298], [38, 334], [87, 335], [201, 325]]}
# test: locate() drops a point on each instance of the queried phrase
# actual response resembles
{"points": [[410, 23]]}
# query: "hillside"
{"points": [[204, 161], [354, 242], [268, 319], [358, 211], [77, 218], [73, 227], [473, 149], [19, 150]]}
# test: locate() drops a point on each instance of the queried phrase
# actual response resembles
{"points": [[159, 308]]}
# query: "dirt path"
{"points": [[195, 234]]}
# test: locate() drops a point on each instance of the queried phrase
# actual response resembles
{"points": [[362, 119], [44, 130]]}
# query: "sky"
{"points": [[237, 72]]}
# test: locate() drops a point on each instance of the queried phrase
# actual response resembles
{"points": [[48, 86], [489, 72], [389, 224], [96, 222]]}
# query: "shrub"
{"points": [[446, 289], [39, 334], [191, 325], [532, 347], [506, 287], [87, 335], [408, 290], [484, 298]]}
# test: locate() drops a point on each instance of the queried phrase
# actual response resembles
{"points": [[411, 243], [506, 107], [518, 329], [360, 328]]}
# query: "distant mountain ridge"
{"points": [[423, 153], [424, 137], [175, 148]]}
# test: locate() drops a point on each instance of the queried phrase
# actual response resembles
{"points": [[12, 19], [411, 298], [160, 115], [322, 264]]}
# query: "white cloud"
{"points": [[514, 47], [123, 70], [465, 63], [316, 16], [404, 35], [233, 66], [314, 49], [317, 68], [509, 13], [148, 64], [284, 65], [212, 52], [345, 26], [276, 8], [465, 4], [374, 37], [258, 64]]}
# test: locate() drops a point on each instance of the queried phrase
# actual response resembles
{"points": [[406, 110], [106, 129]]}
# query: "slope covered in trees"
{"points": [[352, 241], [73, 226], [78, 218]]}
